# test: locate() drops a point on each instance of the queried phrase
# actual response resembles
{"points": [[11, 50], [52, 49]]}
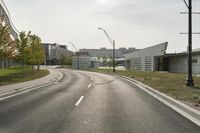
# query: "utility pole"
{"points": [[78, 55], [78, 60], [189, 80], [113, 55]]}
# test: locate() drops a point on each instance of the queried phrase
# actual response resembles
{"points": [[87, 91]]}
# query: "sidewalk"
{"points": [[53, 76]]}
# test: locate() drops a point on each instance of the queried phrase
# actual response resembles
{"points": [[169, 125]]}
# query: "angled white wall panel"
{"points": [[7, 19], [146, 57]]}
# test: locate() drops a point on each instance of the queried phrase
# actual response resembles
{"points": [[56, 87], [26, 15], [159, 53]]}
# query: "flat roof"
{"points": [[179, 54]]}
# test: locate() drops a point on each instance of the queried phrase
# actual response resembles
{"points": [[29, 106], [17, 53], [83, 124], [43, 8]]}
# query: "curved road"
{"points": [[85, 102]]}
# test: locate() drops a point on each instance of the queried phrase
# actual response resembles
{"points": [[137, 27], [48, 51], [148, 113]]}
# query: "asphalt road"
{"points": [[109, 105]]}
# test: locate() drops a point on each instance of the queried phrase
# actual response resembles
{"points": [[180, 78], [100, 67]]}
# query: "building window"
{"points": [[195, 61], [148, 63], [136, 63]]}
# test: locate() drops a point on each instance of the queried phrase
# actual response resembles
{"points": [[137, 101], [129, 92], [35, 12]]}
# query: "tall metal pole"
{"points": [[77, 60], [189, 79], [113, 43], [78, 55], [113, 55]]}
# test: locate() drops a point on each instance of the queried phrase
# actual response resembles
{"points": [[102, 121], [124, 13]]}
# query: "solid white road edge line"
{"points": [[60, 77], [28, 90], [15, 91], [183, 113], [79, 101]]}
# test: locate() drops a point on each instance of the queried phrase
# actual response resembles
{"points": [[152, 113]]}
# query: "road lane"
{"points": [[33, 111], [116, 106], [111, 105]]}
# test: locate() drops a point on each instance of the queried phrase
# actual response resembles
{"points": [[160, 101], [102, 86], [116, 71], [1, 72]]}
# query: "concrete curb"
{"points": [[183, 109]]}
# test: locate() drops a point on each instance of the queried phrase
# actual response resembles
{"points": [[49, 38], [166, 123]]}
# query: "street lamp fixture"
{"points": [[112, 43]]}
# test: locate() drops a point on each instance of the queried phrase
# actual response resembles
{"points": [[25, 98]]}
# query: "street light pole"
{"points": [[189, 80], [78, 55], [113, 44], [113, 55], [78, 61]]}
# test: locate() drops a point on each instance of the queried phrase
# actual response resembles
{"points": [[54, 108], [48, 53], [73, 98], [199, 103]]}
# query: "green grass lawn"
{"points": [[172, 84], [14, 75]]}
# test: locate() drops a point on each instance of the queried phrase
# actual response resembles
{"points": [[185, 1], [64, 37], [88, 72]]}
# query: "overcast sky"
{"points": [[132, 23]]}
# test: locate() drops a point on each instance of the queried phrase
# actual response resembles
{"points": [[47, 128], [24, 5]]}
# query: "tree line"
{"points": [[27, 48]]}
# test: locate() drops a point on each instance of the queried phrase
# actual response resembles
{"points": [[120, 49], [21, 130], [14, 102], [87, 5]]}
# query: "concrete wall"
{"points": [[196, 66], [95, 64], [144, 58], [180, 64], [84, 62]]}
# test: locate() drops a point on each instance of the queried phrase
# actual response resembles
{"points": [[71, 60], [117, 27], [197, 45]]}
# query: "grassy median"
{"points": [[172, 84], [16, 75]]}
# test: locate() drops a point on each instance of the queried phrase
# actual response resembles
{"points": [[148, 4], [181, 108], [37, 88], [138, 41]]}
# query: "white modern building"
{"points": [[53, 52], [5, 15], [155, 58], [147, 58], [178, 62], [5, 19]]}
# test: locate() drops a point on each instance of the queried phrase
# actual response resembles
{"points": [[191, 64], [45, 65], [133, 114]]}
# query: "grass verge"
{"points": [[172, 84], [14, 75]]}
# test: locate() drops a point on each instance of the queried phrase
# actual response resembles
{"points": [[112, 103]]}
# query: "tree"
{"points": [[69, 60], [39, 53], [35, 51], [66, 59], [30, 51], [62, 59], [7, 49], [22, 43]]}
